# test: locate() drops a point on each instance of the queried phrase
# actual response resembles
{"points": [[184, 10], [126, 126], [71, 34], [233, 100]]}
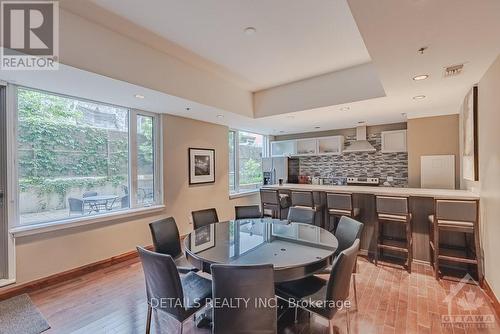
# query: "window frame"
{"points": [[17, 229], [10, 246], [157, 159], [236, 142]]}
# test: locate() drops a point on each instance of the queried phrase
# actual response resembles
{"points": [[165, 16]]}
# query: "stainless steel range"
{"points": [[362, 181]]}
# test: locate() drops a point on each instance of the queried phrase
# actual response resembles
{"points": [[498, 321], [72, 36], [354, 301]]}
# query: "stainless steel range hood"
{"points": [[361, 144]]}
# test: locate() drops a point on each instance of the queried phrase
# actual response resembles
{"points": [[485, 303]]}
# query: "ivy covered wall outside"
{"points": [[68, 146]]}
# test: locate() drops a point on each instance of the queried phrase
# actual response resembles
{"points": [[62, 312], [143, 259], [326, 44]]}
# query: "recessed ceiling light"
{"points": [[250, 31], [345, 109], [139, 96], [421, 77], [220, 116], [419, 97]]}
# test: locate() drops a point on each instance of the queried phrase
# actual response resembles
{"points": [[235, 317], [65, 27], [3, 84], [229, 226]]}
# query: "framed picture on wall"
{"points": [[470, 162], [201, 165]]}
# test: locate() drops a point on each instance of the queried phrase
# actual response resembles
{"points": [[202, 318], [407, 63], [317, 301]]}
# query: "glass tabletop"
{"points": [[261, 241]]}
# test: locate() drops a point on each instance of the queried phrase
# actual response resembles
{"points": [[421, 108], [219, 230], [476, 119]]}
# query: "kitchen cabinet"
{"points": [[310, 146], [331, 145], [394, 141], [307, 146], [283, 148]]}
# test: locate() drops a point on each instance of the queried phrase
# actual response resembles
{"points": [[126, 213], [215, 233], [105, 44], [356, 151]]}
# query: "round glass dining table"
{"points": [[296, 250]]}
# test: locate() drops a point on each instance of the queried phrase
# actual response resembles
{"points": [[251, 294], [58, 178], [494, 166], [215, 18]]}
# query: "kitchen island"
{"points": [[421, 205], [381, 191]]}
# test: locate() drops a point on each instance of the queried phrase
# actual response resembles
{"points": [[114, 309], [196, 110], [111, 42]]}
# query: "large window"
{"points": [[245, 161], [78, 158]]}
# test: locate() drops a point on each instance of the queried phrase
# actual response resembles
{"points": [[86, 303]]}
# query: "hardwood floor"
{"points": [[112, 300]]}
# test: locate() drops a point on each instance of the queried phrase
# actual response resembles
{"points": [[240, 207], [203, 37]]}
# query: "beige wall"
{"points": [[181, 198], [53, 252], [432, 136], [489, 171]]}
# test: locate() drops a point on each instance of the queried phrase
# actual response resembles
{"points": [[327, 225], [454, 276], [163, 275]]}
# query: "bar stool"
{"points": [[338, 205], [272, 200], [306, 199], [394, 210], [455, 216]]}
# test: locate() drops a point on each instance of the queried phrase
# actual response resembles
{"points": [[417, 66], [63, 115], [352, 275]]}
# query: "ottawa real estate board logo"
{"points": [[29, 35]]}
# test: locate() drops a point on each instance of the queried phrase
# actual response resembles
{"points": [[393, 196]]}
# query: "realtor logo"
{"points": [[470, 299], [30, 35]]}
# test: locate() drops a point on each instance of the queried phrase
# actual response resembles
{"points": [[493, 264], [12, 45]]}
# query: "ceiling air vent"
{"points": [[452, 71]]}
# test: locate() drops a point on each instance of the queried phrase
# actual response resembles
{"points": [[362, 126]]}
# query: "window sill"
{"points": [[244, 193], [22, 231], [5, 282]]}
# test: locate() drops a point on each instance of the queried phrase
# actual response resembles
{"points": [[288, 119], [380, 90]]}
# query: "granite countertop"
{"points": [[387, 191]]}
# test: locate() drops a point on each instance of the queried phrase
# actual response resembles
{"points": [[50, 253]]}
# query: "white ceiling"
{"points": [[295, 39], [455, 31]]}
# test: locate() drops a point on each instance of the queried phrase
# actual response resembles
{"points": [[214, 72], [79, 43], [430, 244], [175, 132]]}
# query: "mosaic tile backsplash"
{"points": [[336, 168]]}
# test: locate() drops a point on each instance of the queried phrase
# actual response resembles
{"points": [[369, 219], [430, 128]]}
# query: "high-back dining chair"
{"points": [[166, 240], [252, 283], [204, 217], [301, 215], [348, 231], [320, 296], [163, 283], [247, 212]]}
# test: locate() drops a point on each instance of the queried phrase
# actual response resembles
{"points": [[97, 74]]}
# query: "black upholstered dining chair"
{"points": [[247, 212], [320, 296], [252, 283], [301, 215], [204, 217], [184, 295], [166, 240], [348, 230]]}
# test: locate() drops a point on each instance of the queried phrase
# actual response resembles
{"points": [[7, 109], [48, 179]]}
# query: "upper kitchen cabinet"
{"points": [[310, 146], [394, 141], [283, 148], [330, 145], [307, 146]]}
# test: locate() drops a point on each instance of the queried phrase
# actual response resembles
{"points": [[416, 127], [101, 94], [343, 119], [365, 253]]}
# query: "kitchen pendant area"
{"points": [[383, 161]]}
